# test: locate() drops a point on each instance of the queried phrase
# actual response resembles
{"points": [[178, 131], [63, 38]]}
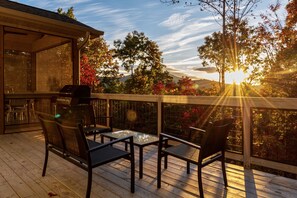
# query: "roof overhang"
{"points": [[27, 21]]}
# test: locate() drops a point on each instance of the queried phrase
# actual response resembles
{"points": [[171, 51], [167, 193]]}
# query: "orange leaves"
{"points": [[87, 72], [185, 86]]}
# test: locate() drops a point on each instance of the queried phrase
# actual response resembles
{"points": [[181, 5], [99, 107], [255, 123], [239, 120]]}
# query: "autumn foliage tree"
{"points": [[88, 72], [279, 36], [142, 57], [69, 12], [184, 86], [104, 65]]}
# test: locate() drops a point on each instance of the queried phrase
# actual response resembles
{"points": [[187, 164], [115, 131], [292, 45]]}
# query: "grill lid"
{"points": [[75, 91]]}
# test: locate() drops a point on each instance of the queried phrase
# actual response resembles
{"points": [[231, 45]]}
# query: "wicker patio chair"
{"points": [[53, 138], [85, 153], [212, 148], [92, 125]]}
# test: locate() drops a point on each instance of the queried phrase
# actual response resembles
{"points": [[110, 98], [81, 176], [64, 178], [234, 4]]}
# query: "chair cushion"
{"points": [[106, 155], [184, 152], [92, 144]]}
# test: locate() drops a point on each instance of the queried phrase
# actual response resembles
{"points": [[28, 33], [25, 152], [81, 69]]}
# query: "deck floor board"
{"points": [[21, 162]]}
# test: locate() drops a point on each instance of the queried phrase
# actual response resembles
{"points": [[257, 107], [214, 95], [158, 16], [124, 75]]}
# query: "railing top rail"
{"points": [[29, 95], [236, 101]]}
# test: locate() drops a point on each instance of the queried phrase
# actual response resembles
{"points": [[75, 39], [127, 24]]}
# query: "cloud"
{"points": [[186, 34], [152, 4], [206, 69], [53, 5], [192, 39], [176, 50], [183, 63], [191, 58], [115, 22], [175, 21], [109, 15]]}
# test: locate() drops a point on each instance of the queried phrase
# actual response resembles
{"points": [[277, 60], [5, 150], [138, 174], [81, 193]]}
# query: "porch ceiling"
{"points": [[29, 41]]}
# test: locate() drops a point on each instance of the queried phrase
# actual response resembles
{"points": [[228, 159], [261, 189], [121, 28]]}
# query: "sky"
{"points": [[177, 29]]}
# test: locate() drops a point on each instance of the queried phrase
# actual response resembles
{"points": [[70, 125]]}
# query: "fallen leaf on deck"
{"points": [[52, 194]]}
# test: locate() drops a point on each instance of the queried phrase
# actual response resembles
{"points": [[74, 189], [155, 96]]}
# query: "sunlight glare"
{"points": [[236, 77]]}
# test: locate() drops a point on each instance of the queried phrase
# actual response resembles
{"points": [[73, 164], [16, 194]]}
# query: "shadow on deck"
{"points": [[21, 161]]}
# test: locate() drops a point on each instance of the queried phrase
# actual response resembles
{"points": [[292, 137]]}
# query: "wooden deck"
{"points": [[21, 161]]}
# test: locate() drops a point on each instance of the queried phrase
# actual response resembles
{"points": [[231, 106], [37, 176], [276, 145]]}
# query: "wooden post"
{"points": [[2, 110], [159, 116], [247, 141], [75, 62], [33, 72], [108, 111]]}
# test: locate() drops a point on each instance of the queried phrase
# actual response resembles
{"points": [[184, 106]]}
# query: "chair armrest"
{"points": [[178, 140], [130, 138], [197, 129]]}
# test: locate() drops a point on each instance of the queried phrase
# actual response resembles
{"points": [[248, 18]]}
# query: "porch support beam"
{"points": [[2, 106]]}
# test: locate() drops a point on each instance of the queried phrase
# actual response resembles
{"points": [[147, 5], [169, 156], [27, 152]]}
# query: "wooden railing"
{"points": [[248, 106]]}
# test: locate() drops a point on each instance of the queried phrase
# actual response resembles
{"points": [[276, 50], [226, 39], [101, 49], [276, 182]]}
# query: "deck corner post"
{"points": [[247, 140]]}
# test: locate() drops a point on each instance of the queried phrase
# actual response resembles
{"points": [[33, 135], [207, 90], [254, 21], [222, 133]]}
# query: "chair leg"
{"points": [[45, 162], [188, 167], [126, 146], [159, 164], [88, 194], [166, 156], [159, 171], [132, 173], [165, 161], [200, 181], [94, 137], [224, 172]]}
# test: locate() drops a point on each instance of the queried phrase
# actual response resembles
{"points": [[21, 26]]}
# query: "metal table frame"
{"points": [[140, 140]]}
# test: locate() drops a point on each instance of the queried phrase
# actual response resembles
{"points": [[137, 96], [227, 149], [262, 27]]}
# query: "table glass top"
{"points": [[138, 137]]}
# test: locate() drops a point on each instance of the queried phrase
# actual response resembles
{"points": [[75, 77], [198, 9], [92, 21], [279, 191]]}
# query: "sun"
{"points": [[236, 77]]}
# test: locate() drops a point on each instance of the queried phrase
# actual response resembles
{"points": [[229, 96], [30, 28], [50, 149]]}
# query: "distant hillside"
{"points": [[205, 84], [202, 83]]}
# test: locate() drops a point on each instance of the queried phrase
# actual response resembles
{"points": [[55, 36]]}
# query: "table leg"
{"points": [[166, 156], [140, 162], [126, 146]]}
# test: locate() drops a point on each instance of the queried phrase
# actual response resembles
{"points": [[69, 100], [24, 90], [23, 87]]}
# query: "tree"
{"points": [[142, 57], [230, 11], [279, 36], [170, 88], [184, 86], [248, 49], [187, 86], [88, 73], [69, 13], [106, 68]]}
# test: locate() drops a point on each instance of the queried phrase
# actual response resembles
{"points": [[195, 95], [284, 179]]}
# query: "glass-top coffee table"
{"points": [[139, 139]]}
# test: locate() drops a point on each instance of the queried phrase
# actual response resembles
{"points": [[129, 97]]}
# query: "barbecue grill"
{"points": [[71, 95]]}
